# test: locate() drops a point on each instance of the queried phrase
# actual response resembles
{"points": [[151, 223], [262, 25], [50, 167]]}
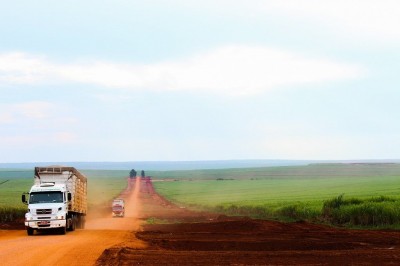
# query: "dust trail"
{"points": [[130, 221], [132, 203]]}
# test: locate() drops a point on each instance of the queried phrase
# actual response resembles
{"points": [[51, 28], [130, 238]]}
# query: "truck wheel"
{"points": [[29, 231], [72, 224]]}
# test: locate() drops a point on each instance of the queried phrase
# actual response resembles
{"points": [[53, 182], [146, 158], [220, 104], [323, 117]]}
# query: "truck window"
{"points": [[46, 197]]}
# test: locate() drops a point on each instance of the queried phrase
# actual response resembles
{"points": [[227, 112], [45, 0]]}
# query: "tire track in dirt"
{"points": [[81, 247]]}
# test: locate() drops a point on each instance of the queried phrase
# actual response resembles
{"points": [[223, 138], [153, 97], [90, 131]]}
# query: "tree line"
{"points": [[133, 173]]}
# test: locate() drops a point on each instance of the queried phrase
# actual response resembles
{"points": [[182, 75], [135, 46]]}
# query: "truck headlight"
{"points": [[28, 217]]}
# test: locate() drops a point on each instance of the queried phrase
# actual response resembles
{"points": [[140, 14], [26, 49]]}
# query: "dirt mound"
{"points": [[257, 242], [228, 226], [258, 235]]}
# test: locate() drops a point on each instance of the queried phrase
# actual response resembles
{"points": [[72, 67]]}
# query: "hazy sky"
{"points": [[199, 80]]}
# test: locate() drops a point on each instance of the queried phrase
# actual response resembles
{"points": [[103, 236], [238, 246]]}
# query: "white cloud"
{"points": [[233, 70], [65, 137], [6, 118], [35, 110], [22, 68], [371, 18], [17, 141], [22, 141], [379, 21], [26, 111]]}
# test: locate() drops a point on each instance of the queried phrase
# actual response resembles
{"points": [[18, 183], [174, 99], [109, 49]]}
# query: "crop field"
{"points": [[298, 192], [103, 186], [275, 192]]}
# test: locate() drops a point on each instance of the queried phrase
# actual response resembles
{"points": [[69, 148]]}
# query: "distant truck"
{"points": [[118, 208], [57, 200]]}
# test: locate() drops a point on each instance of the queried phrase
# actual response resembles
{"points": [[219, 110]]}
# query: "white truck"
{"points": [[118, 208], [57, 200]]}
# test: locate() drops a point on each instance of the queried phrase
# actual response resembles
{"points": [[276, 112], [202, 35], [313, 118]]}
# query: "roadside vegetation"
{"points": [[339, 194], [103, 186], [376, 211], [13, 182]]}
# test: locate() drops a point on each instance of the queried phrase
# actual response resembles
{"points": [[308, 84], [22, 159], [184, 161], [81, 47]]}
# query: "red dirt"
{"points": [[222, 240]]}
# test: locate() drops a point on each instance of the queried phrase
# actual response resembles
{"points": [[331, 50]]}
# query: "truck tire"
{"points": [[29, 231], [72, 224]]}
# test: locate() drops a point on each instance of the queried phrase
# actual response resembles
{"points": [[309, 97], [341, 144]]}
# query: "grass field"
{"points": [[103, 186], [275, 192], [297, 192]]}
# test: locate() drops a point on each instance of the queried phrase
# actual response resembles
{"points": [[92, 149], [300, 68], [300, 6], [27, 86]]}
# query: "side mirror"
{"points": [[69, 196], [24, 199]]}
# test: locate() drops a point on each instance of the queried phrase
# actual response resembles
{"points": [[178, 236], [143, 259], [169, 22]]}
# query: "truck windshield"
{"points": [[46, 197]]}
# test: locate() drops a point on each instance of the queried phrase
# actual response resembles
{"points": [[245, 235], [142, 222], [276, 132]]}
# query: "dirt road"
{"points": [[81, 247]]}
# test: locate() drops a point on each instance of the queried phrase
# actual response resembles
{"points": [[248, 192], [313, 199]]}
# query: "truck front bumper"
{"points": [[45, 224]]}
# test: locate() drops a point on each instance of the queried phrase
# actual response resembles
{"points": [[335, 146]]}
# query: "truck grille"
{"points": [[43, 211]]}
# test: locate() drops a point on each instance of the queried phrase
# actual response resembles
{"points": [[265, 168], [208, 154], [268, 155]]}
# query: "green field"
{"points": [[296, 192], [275, 192], [103, 186]]}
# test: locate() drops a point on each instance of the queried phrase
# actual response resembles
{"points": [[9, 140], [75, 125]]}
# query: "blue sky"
{"points": [[199, 80]]}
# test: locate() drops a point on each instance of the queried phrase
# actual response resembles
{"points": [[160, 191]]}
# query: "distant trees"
{"points": [[132, 173]]}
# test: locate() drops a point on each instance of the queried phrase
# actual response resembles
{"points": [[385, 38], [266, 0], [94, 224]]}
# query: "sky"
{"points": [[156, 80]]}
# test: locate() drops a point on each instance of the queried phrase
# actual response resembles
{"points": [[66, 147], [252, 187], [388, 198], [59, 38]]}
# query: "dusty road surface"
{"points": [[81, 247]]}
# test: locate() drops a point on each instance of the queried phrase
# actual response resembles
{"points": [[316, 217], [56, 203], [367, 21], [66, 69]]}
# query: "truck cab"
{"points": [[118, 208], [47, 207]]}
